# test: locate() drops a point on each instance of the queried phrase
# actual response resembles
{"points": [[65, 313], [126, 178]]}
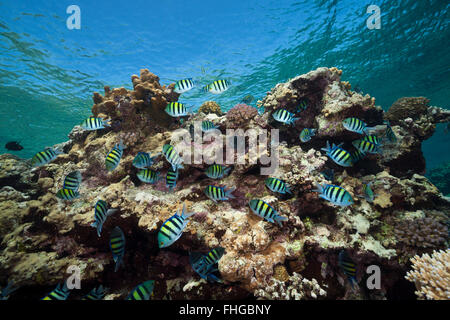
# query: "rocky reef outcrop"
{"points": [[41, 236]]}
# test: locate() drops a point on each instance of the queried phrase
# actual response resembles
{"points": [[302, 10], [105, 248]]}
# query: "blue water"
{"points": [[48, 72]]}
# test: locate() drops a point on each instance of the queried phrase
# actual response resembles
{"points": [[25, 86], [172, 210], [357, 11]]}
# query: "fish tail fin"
{"points": [[106, 122], [313, 132], [280, 219], [368, 129], [121, 145], [226, 171], [294, 119], [185, 214], [319, 188], [288, 189], [229, 191], [111, 211], [327, 148], [118, 263]]}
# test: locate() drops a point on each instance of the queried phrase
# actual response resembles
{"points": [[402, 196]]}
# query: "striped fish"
{"points": [[72, 180], [59, 293], [217, 86], [284, 116], [389, 133], [217, 171], [171, 179], [182, 86], [366, 146], [204, 270], [368, 193], [208, 126], [172, 157], [357, 155], [43, 157], [356, 125], [94, 123], [95, 294], [219, 193], [172, 229], [306, 134], [144, 160], [348, 267], [142, 291], [213, 256], [335, 194], [177, 109], [101, 212], [148, 175], [338, 155], [262, 209], [372, 139], [67, 194], [117, 245], [277, 185], [303, 105], [113, 158]]}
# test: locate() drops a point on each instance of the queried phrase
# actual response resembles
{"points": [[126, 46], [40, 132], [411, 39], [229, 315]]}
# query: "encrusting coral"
{"points": [[261, 259], [431, 275]]}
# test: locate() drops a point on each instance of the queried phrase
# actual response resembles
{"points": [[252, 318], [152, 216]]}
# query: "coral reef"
{"points": [[41, 236], [431, 275], [210, 107]]}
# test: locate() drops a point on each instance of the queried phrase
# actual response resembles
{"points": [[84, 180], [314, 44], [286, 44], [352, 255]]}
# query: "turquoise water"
{"points": [[48, 72]]}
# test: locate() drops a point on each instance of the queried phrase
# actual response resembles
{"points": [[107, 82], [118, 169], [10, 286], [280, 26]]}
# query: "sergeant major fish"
{"points": [[219, 193], [142, 291], [113, 158], [171, 179], [204, 270], [117, 245], [72, 181], [366, 146], [182, 86], [43, 157], [67, 194], [284, 116], [218, 86], [208, 126], [94, 123], [144, 160], [148, 175], [172, 229], [335, 194], [172, 157], [61, 292], [356, 125], [306, 134], [277, 185], [338, 155], [101, 212], [264, 210], [348, 267], [217, 171], [95, 294], [177, 109]]}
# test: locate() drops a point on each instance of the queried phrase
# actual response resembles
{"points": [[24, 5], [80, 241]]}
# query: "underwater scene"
{"points": [[235, 150]]}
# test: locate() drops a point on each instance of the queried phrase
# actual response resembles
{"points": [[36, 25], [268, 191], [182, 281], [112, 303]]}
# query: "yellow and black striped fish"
{"points": [[219, 193], [217, 86], [172, 229], [284, 116], [113, 158], [171, 179], [95, 294], [94, 123], [366, 146], [356, 125], [67, 194], [172, 157], [59, 293], [72, 180], [117, 245], [347, 266], [302, 106], [208, 126], [148, 175], [214, 255], [101, 212], [335, 194], [43, 157], [143, 291], [184, 85], [357, 155], [277, 185], [389, 133], [373, 139], [217, 171], [177, 109], [337, 154], [265, 211]]}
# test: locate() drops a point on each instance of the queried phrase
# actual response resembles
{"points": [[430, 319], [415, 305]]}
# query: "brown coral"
{"points": [[422, 232], [210, 107]]}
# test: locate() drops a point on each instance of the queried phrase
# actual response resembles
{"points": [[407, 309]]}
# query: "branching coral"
{"points": [[422, 232], [295, 288], [431, 275]]}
